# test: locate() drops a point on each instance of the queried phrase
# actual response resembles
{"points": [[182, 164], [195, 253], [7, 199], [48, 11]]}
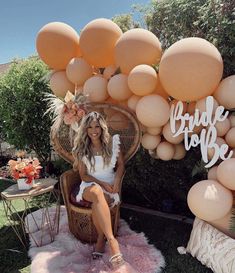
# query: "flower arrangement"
{"points": [[69, 110], [28, 168]]}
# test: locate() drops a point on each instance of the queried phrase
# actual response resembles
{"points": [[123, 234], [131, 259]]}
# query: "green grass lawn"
{"points": [[165, 234]]}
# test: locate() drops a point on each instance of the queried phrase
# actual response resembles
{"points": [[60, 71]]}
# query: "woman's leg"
{"points": [[100, 244], [101, 211]]}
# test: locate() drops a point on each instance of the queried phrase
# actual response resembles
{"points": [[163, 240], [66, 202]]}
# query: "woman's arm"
{"points": [[89, 178], [119, 172]]}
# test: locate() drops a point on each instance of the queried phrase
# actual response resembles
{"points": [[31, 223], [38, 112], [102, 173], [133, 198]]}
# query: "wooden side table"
{"points": [[48, 224]]}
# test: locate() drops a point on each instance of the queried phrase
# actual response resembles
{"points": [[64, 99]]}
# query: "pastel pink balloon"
{"points": [[232, 120], [209, 200], [154, 130], [201, 105], [109, 71], [180, 152], [132, 102], [222, 127], [226, 173], [168, 134]]}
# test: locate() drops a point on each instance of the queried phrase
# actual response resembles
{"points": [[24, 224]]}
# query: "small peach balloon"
{"points": [[150, 142], [223, 224], [60, 84], [209, 200], [142, 80], [96, 89], [222, 127], [191, 69], [230, 137], [225, 93], [143, 128], [154, 130], [212, 173], [57, 43], [226, 173], [165, 151], [97, 42], [201, 105], [180, 152], [78, 71], [232, 120], [137, 46], [132, 102], [118, 87], [211, 151], [174, 102], [169, 135], [153, 111], [109, 71]]}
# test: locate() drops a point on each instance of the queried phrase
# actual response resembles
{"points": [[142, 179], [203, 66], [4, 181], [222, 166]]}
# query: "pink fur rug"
{"points": [[68, 255]]}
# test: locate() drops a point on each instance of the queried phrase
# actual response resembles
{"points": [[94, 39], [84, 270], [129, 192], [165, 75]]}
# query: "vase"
{"points": [[22, 185]]}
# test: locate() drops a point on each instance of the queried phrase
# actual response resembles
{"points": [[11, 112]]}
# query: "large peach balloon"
{"points": [[60, 84], [191, 69], [153, 111], [211, 151], [209, 200], [150, 142], [165, 151], [137, 46], [169, 135], [118, 88], [57, 43], [142, 80], [159, 90], [226, 173], [96, 89], [132, 102], [225, 93], [180, 152], [230, 137], [97, 42], [78, 71]]}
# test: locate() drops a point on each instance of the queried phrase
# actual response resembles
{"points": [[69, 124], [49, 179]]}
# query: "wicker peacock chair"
{"points": [[120, 121]]}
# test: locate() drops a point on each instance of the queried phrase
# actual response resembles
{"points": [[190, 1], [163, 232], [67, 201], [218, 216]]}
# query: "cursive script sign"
{"points": [[207, 138]]}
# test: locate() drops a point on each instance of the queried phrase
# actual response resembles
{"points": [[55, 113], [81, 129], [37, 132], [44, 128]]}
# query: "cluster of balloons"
{"points": [[212, 200], [115, 67], [189, 70]]}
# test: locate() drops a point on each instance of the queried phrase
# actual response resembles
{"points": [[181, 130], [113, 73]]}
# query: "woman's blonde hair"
{"points": [[82, 142]]}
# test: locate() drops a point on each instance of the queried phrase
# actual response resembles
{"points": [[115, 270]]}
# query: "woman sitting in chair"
{"points": [[96, 154]]}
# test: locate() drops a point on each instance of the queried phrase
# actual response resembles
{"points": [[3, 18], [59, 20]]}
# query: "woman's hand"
{"points": [[107, 187], [115, 188]]}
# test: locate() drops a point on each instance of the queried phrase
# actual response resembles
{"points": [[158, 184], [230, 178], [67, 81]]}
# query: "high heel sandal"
{"points": [[117, 259], [97, 254]]}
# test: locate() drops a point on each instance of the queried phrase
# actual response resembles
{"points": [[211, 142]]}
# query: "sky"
{"points": [[20, 20]]}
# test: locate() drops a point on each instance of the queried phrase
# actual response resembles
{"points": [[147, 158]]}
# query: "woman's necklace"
{"points": [[96, 151]]}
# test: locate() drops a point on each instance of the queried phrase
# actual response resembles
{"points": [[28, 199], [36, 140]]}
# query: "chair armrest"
{"points": [[67, 180]]}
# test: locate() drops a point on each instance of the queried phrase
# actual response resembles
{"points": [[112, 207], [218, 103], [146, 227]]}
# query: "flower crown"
{"points": [[69, 110]]}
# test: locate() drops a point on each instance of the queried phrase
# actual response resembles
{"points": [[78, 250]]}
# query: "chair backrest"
{"points": [[120, 121]]}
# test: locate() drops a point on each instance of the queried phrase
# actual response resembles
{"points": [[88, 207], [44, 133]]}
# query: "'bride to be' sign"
{"points": [[207, 138]]}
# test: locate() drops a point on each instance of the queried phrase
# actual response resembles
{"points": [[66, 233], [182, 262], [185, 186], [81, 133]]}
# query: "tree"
{"points": [[125, 21], [213, 20], [22, 107]]}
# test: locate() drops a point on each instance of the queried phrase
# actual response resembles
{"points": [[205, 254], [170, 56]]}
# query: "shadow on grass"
{"points": [[166, 235], [13, 256]]}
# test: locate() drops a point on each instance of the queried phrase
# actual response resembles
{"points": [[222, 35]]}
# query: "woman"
{"points": [[96, 155]]}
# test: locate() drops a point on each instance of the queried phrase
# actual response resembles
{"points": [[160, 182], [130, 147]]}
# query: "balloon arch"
{"points": [[178, 96]]}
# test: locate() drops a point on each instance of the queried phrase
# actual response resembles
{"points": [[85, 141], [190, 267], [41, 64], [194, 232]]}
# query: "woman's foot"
{"points": [[99, 248], [116, 259]]}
